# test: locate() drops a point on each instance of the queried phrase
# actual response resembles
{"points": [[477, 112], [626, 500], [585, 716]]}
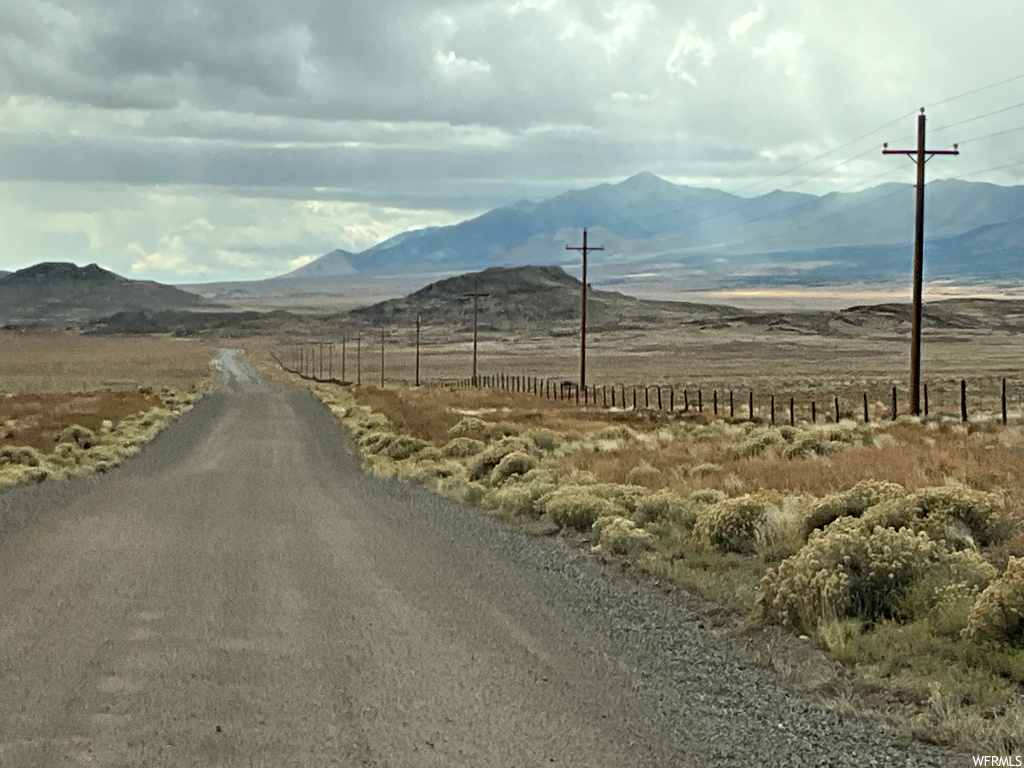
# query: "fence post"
{"points": [[577, 394], [773, 409], [963, 399], [866, 419], [700, 401], [672, 398], [814, 413], [750, 405], [792, 414], [659, 397], [925, 399], [604, 395], [1004, 401], [634, 398], [732, 411], [647, 395], [894, 410], [714, 396], [686, 401], [837, 410], [613, 396]]}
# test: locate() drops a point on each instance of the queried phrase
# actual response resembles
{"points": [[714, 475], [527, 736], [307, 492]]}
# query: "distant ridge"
{"points": [[62, 291], [544, 296]]}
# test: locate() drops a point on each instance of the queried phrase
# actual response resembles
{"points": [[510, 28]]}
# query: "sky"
{"points": [[197, 140]]}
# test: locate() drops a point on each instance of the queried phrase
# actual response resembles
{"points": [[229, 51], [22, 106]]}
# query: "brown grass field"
{"points": [[44, 363], [72, 404], [734, 504]]}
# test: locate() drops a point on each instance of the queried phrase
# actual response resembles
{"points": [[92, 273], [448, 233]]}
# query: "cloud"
{"points": [[457, 66], [783, 48], [217, 122], [690, 50], [172, 258], [744, 23]]}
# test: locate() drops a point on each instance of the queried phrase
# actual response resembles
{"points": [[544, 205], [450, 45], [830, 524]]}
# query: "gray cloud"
{"points": [[418, 112]]}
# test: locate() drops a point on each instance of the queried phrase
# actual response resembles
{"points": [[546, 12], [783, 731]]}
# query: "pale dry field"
{"points": [[45, 363], [783, 364]]}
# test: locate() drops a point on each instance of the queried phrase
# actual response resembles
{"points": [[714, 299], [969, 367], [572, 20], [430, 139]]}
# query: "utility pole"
{"points": [[475, 295], [343, 356], [417, 350], [382, 358], [583, 306], [359, 360], [919, 156]]}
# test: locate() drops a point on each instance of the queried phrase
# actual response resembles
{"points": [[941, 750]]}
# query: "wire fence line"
{"points": [[950, 400]]}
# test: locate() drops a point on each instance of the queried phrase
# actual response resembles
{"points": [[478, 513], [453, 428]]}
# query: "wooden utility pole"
{"points": [[583, 305], [359, 360], [417, 350], [475, 295], [919, 156], [382, 358], [343, 356]]}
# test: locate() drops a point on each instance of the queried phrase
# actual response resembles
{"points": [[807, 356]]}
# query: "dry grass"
{"points": [[72, 404], [43, 363], [39, 420]]}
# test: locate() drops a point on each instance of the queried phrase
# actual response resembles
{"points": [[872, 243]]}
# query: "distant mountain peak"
{"points": [[645, 180]]}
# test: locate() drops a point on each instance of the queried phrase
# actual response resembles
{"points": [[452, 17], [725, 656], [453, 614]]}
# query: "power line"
{"points": [[992, 135], [979, 117], [976, 90]]}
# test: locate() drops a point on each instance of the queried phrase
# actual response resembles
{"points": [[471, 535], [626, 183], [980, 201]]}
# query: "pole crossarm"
{"points": [[584, 249], [920, 156]]}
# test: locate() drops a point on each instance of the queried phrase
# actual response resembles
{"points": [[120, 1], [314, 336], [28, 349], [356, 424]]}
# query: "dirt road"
{"points": [[242, 595]]}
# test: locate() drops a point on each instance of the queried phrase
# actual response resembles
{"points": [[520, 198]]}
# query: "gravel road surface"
{"points": [[241, 594]]}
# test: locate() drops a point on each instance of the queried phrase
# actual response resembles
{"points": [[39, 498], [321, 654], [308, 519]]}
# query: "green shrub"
{"points": [[429, 472], [77, 434], [520, 499], [852, 503], [621, 536], [643, 473], [980, 513], [515, 463], [732, 525], [756, 444], [577, 507], [666, 505], [580, 477], [20, 455], [462, 448], [625, 496], [615, 432], [402, 447], [998, 614], [470, 425], [846, 571], [545, 439], [485, 461], [813, 444], [707, 496], [376, 441]]}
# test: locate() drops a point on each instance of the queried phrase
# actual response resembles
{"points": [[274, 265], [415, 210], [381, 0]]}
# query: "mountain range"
{"points": [[704, 238]]}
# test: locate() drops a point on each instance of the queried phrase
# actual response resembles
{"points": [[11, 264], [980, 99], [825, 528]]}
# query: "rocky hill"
{"points": [[56, 291], [518, 297]]}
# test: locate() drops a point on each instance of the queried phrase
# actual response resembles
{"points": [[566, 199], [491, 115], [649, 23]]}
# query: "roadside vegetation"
{"points": [[896, 548], [54, 444], [73, 405]]}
